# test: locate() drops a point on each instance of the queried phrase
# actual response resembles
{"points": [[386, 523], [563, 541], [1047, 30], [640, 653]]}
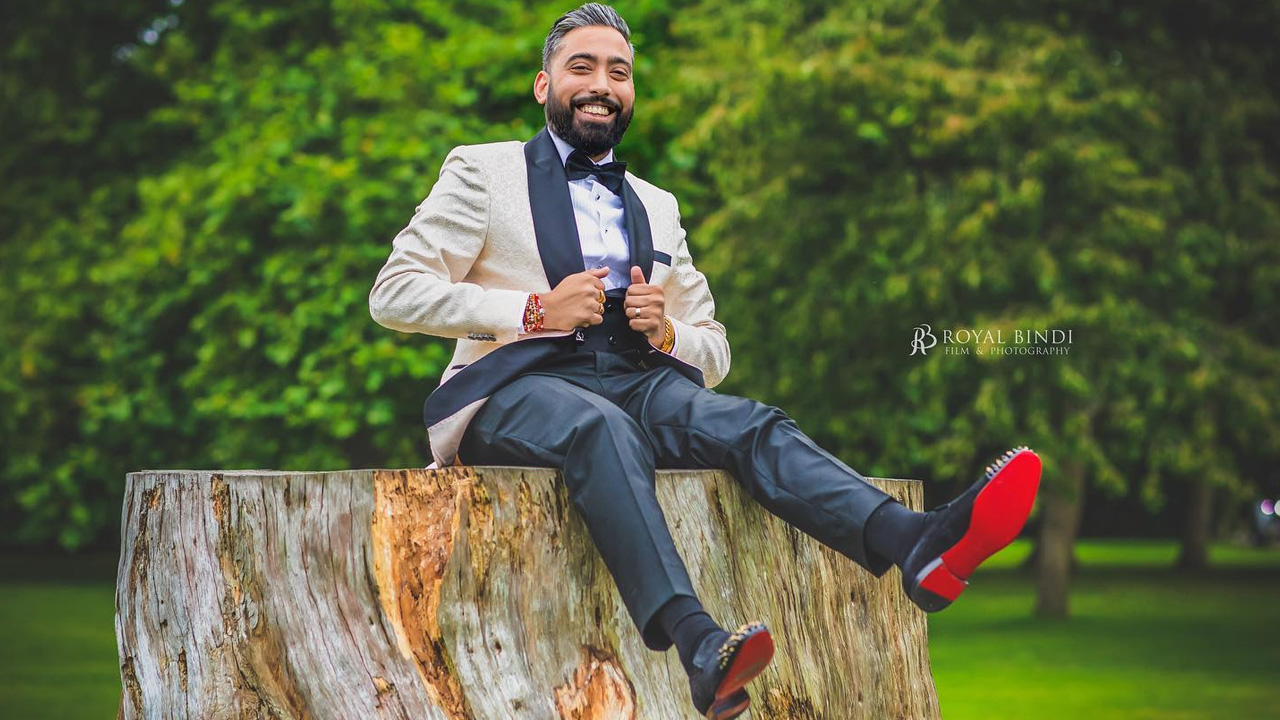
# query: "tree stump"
{"points": [[476, 592]]}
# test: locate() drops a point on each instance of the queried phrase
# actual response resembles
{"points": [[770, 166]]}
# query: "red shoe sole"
{"points": [[752, 657], [729, 707], [999, 513]]}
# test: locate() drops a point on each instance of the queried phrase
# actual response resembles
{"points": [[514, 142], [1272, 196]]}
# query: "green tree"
{"points": [[862, 169], [201, 300], [196, 215], [73, 112]]}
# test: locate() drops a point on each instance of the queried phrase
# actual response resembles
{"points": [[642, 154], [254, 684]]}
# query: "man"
{"points": [[587, 341]]}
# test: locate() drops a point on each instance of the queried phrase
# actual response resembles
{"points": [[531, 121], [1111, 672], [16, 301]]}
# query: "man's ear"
{"points": [[540, 85]]}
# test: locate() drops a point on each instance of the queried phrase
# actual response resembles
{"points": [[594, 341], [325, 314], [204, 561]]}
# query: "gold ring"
{"points": [[601, 298], [601, 310]]}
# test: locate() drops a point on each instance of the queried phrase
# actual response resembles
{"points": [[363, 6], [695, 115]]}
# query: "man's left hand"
{"points": [[648, 298]]}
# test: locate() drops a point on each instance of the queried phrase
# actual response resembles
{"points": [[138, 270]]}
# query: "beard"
{"points": [[592, 138]]}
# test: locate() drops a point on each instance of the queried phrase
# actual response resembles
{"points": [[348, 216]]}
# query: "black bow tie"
{"points": [[610, 175]]}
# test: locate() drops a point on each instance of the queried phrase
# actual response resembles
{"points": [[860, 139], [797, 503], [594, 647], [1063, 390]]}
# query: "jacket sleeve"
{"points": [[420, 288], [700, 340]]}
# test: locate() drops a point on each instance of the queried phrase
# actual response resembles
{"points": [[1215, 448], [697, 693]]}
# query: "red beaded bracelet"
{"points": [[534, 314]]}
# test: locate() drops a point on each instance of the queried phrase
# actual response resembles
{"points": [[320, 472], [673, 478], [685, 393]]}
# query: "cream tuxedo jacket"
{"points": [[499, 224]]}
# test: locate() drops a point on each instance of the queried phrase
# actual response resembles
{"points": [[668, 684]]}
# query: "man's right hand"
{"points": [[575, 302]]}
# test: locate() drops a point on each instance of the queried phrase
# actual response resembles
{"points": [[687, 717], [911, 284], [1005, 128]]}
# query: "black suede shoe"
{"points": [[722, 668], [963, 533]]}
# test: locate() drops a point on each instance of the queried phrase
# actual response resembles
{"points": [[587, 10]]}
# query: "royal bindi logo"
{"points": [[918, 343], [1018, 341]]}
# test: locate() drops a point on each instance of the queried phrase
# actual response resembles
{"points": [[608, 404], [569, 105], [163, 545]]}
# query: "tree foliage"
{"points": [[199, 195], [863, 168]]}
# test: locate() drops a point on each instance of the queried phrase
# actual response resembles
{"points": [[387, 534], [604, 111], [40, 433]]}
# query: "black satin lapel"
{"points": [[639, 235], [553, 221]]}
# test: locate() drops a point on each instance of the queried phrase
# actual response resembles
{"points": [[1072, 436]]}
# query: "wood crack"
{"points": [[477, 594]]}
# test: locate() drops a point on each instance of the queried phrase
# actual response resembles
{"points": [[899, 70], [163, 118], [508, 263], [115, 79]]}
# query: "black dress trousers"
{"points": [[607, 420]]}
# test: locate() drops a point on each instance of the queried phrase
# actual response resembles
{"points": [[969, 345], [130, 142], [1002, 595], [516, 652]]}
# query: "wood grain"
{"points": [[476, 593]]}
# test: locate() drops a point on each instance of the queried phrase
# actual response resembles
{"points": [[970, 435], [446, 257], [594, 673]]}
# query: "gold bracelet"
{"points": [[668, 335]]}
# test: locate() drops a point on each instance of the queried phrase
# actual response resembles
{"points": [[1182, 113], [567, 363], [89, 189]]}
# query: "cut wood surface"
{"points": [[476, 592]]}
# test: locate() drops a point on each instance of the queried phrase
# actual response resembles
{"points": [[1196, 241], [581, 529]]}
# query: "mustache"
{"points": [[598, 100]]}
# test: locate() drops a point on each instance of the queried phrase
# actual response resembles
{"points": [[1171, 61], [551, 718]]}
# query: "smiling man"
{"points": [[589, 105], [587, 342]]}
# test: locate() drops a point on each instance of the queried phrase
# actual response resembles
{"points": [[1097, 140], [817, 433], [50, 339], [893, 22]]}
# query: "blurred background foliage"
{"points": [[196, 198]]}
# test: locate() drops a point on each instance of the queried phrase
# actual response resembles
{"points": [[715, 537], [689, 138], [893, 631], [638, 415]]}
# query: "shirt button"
{"points": [[613, 341]]}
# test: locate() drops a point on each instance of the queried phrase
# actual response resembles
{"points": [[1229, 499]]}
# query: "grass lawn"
{"points": [[58, 638], [1143, 643]]}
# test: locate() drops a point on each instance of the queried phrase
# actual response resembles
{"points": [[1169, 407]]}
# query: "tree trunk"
{"points": [[476, 592], [1062, 509], [1194, 556], [1031, 563]]}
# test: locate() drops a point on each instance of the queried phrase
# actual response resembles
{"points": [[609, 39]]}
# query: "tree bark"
{"points": [[476, 592], [1062, 509], [1194, 556]]}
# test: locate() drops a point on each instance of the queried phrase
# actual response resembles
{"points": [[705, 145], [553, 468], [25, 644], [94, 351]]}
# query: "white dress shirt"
{"points": [[599, 215]]}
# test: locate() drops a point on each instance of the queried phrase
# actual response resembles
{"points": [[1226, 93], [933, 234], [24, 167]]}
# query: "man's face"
{"points": [[588, 90]]}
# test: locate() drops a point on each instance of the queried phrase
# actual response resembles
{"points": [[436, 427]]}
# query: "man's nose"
{"points": [[600, 81]]}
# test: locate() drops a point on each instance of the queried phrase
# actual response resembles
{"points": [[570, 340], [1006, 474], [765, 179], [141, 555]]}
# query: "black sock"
{"points": [[687, 624], [892, 530]]}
